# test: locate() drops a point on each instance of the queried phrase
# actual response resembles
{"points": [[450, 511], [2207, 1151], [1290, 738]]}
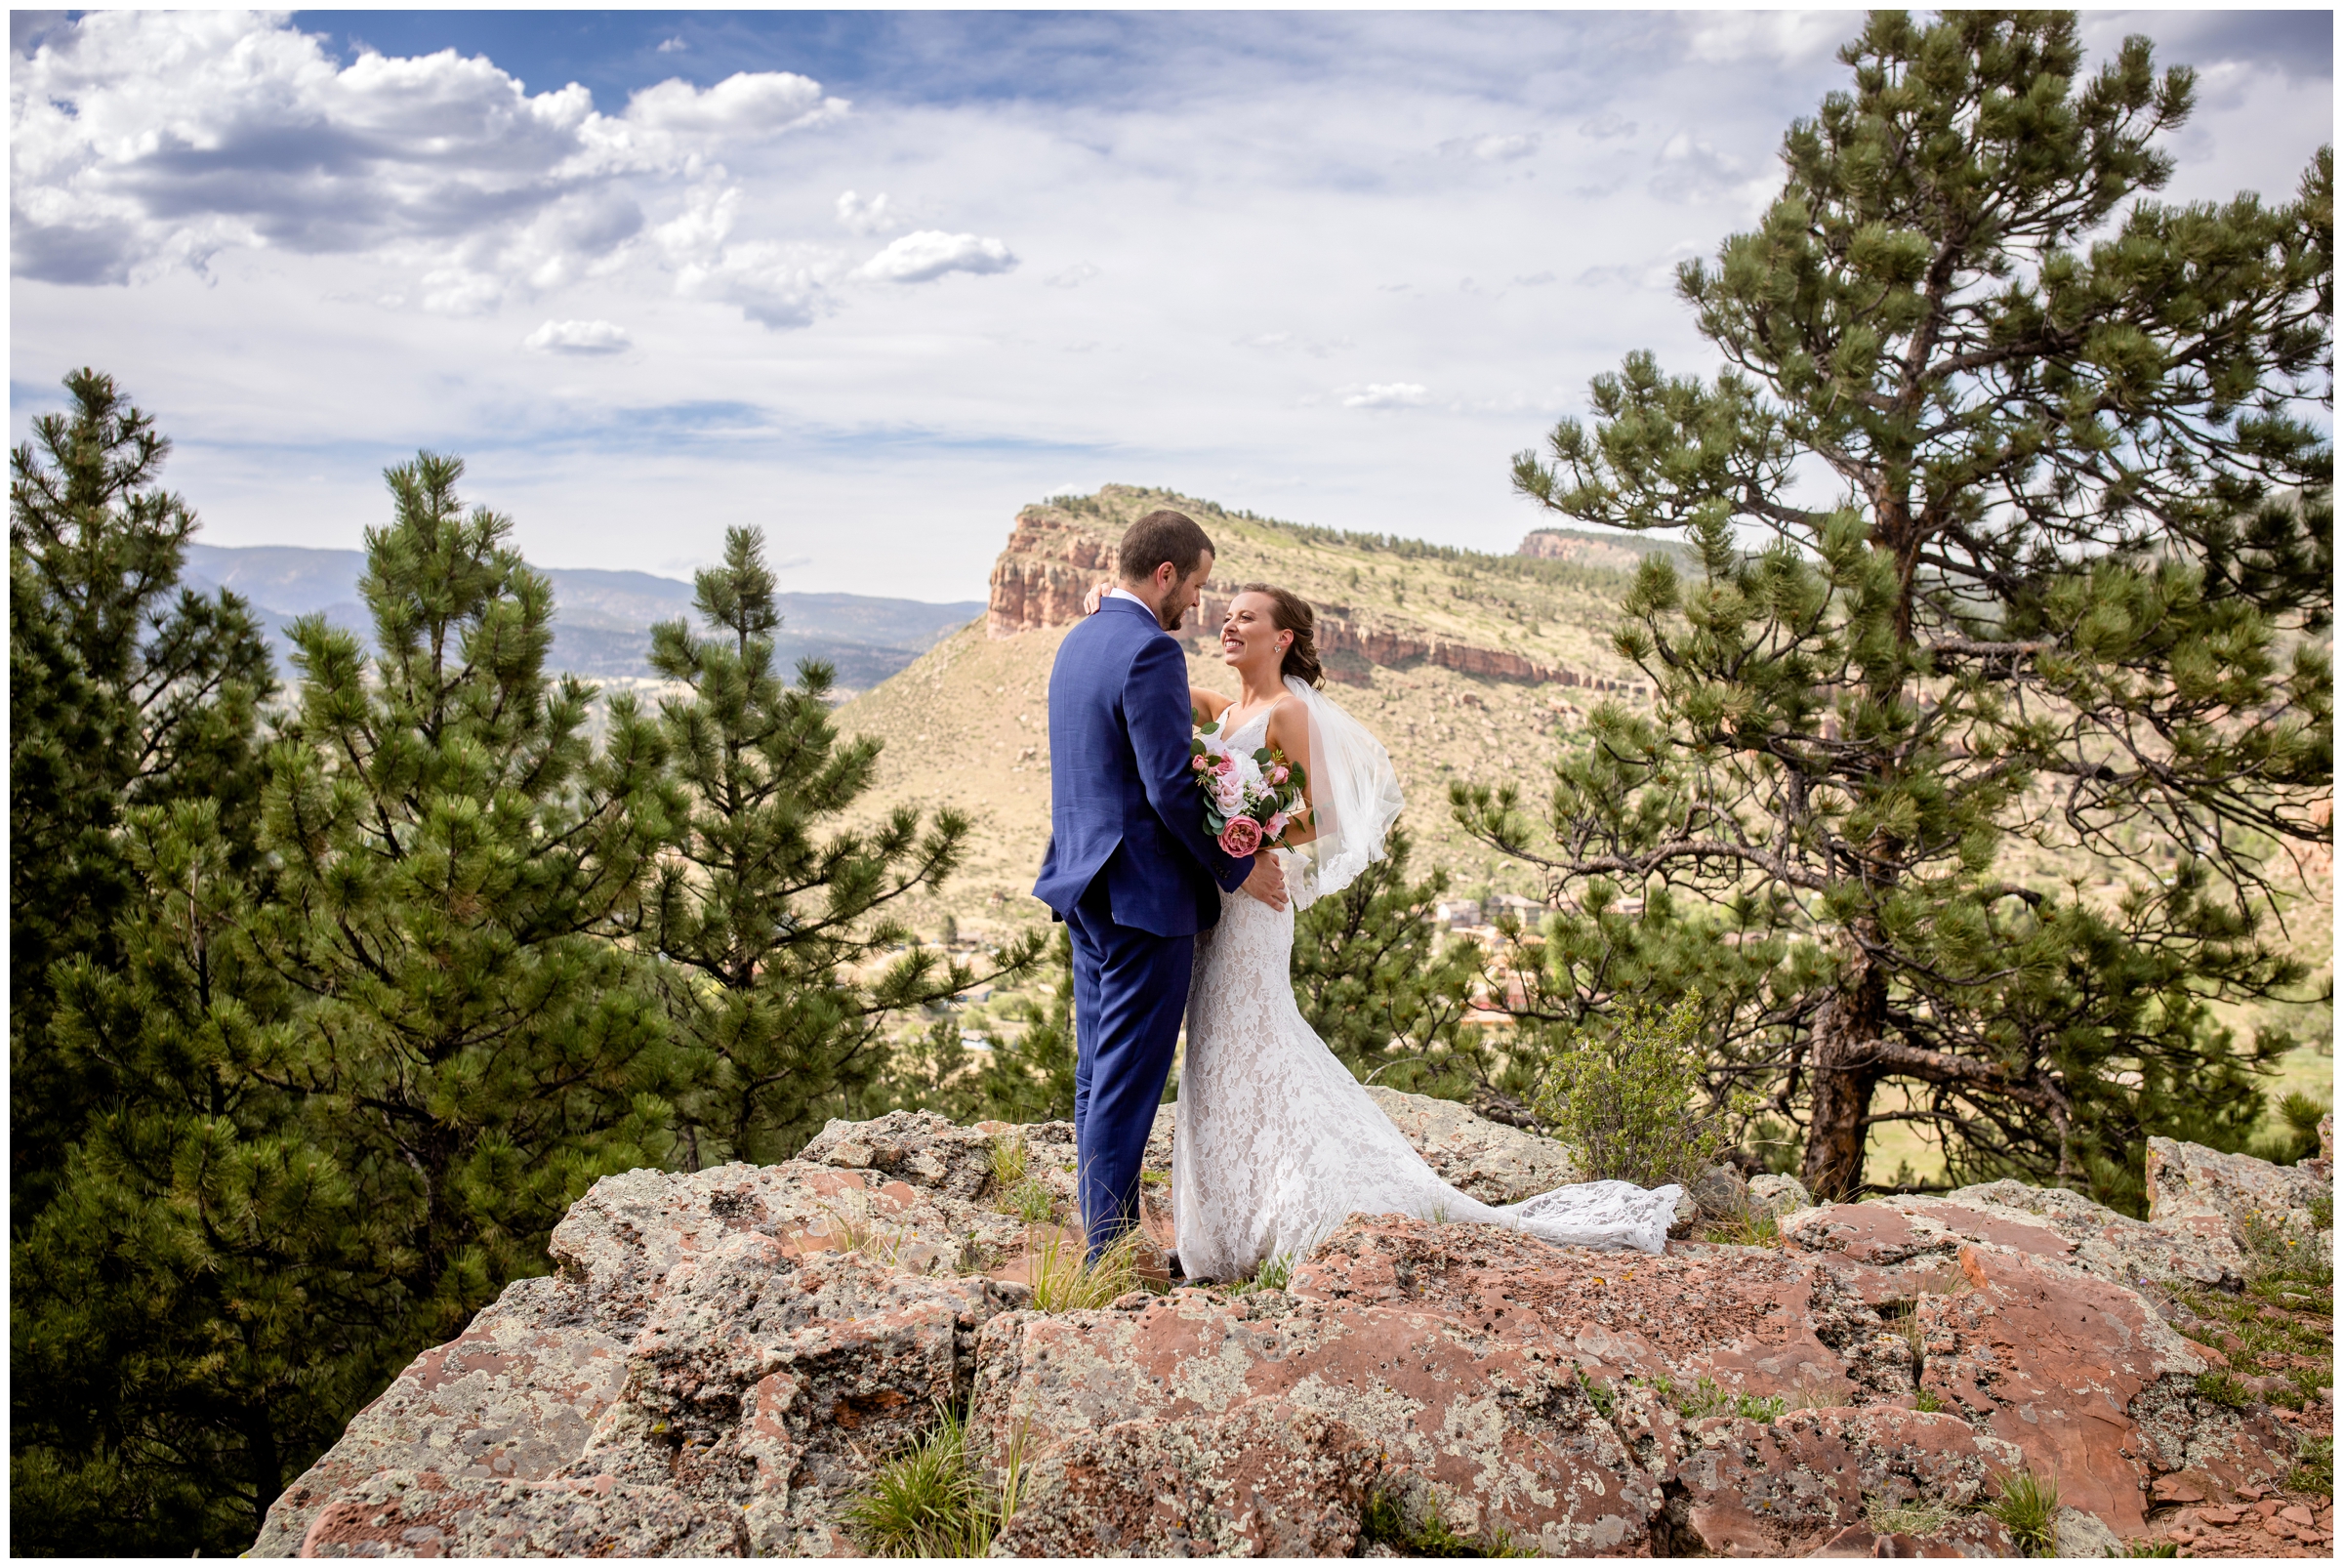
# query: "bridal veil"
{"points": [[1354, 795]]}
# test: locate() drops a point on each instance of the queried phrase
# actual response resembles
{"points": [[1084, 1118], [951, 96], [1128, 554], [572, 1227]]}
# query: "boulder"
{"points": [[723, 1360], [2043, 1221], [2250, 1201], [1779, 1195], [1481, 1158], [1720, 1194]]}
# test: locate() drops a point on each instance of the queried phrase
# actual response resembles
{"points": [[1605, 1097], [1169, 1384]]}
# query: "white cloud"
{"points": [[1293, 343], [1073, 277], [1533, 280], [146, 141], [866, 217], [1492, 149], [1770, 37], [776, 285], [746, 103], [1604, 127], [579, 337], [669, 46], [930, 253], [1385, 394], [1505, 148]]}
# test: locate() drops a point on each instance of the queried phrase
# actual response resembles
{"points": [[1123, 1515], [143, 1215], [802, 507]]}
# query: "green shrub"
{"points": [[2027, 1506], [1625, 1099]]}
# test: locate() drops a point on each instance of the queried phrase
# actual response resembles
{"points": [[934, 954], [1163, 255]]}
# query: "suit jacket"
{"points": [[1122, 799]]}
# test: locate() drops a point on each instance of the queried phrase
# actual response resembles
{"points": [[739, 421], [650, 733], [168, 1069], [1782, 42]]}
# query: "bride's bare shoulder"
{"points": [[1290, 726], [1209, 704]]}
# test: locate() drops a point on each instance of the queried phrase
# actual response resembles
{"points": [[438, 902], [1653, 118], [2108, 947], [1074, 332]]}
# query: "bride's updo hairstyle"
{"points": [[1293, 615]]}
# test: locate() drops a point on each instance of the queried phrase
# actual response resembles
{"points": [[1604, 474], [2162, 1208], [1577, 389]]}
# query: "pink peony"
{"points": [[1241, 837], [1280, 773]]}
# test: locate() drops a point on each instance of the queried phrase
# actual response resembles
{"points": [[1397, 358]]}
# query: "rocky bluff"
{"points": [[1054, 556], [721, 1359]]}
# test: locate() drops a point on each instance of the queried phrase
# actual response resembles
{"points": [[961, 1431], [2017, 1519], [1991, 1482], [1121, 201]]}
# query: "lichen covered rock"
{"points": [[723, 1360]]}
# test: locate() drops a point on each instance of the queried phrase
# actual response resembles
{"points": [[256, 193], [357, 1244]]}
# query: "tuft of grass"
{"points": [[2026, 1504], [1384, 1520], [2222, 1389], [1926, 1402], [1032, 1203], [2148, 1549], [856, 1224], [2314, 1467], [1904, 1322], [1751, 1227], [1705, 1398], [1920, 1519], [926, 1502], [1601, 1395], [1274, 1274], [1009, 1161], [1066, 1280]]}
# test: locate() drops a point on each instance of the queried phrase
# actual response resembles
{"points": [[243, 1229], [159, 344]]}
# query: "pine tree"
{"points": [[191, 1311], [124, 688], [455, 857], [140, 1397], [1374, 978], [2064, 606], [770, 916]]}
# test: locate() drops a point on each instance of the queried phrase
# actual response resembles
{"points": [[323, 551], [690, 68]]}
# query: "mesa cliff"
{"points": [[722, 1361], [1056, 552]]}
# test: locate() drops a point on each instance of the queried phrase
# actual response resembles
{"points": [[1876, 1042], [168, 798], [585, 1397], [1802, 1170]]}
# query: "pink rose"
{"points": [[1241, 837], [1280, 773], [1200, 761], [1274, 826], [1224, 764]]}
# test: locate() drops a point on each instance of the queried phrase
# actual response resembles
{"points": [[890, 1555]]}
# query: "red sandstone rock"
{"points": [[1789, 1488], [424, 1513], [725, 1357]]}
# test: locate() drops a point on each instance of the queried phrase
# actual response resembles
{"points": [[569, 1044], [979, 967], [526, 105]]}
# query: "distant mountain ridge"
{"points": [[602, 619]]}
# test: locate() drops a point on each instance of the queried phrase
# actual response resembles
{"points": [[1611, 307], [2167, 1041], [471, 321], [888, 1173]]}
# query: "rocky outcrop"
{"points": [[722, 1360], [1053, 557]]}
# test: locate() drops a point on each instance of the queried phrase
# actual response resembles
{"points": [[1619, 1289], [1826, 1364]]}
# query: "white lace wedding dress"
{"points": [[1275, 1143]]}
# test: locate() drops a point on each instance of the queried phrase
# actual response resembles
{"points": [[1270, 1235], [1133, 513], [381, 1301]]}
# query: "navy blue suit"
{"points": [[1134, 875]]}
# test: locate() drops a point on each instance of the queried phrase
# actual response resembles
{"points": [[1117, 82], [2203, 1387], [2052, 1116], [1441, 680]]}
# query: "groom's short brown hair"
{"points": [[1159, 536]]}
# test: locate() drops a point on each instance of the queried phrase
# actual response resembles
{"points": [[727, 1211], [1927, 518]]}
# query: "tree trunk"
{"points": [[1841, 1067]]}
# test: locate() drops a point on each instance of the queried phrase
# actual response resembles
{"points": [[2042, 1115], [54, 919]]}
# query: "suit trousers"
{"points": [[1131, 988]]}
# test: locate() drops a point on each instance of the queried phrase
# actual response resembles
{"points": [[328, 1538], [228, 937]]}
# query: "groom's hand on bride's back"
{"points": [[1267, 882]]}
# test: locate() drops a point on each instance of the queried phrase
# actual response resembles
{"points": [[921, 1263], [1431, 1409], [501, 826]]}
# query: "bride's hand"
{"points": [[1268, 881], [1094, 597]]}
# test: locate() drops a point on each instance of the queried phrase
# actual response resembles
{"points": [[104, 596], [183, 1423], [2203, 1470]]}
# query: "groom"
{"points": [[1130, 868]]}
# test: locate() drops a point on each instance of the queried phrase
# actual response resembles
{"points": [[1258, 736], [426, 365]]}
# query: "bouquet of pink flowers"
{"points": [[1249, 803]]}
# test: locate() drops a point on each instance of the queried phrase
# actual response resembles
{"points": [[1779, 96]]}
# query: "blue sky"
{"points": [[874, 279]]}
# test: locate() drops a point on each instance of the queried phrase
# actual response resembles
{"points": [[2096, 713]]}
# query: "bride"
{"points": [[1276, 1143]]}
